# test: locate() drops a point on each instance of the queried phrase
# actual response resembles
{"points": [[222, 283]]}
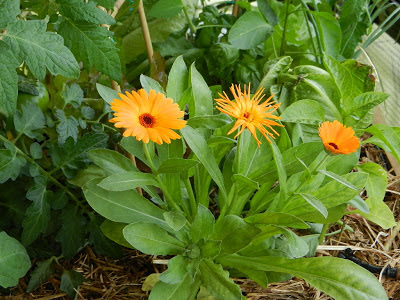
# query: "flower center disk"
{"points": [[147, 120], [334, 145]]}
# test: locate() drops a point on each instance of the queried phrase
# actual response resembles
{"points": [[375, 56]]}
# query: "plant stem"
{"points": [[307, 16], [323, 233], [146, 33], [283, 43], [192, 199], [193, 29]]}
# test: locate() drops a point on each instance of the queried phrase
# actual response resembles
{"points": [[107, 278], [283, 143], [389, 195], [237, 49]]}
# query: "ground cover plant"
{"points": [[235, 164]]}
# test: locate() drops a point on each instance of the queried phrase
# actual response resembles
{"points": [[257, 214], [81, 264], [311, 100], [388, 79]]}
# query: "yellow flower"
{"points": [[148, 117], [337, 138], [249, 113]]}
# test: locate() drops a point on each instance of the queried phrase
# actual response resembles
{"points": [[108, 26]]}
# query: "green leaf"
{"points": [[388, 136], [177, 79], [280, 166], [36, 151], [164, 291], [217, 281], [199, 147], [366, 101], [70, 282], [84, 176], [113, 230], [166, 8], [316, 203], [339, 278], [329, 31], [92, 45], [209, 121], [9, 10], [14, 261], [338, 178], [279, 219], [38, 213], [274, 68], [127, 181], [134, 147], [305, 112], [267, 11], [42, 272], [176, 220], [31, 43], [203, 224], [106, 93], [8, 77], [82, 11], [68, 127], [359, 203], [10, 163], [107, 4], [376, 184], [125, 207], [249, 31], [203, 102], [150, 84], [73, 95], [243, 181], [176, 270], [176, 165], [152, 239], [29, 120], [111, 161], [73, 231]]}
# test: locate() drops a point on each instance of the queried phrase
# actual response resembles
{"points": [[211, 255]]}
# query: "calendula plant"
{"points": [[231, 194]]}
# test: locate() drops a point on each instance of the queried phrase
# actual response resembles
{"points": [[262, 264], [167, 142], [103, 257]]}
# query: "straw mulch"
{"points": [[123, 278]]}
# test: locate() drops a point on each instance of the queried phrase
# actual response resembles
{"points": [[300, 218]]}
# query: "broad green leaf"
{"points": [[324, 273], [243, 181], [329, 31], [366, 101], [217, 281], [222, 55], [176, 270], [177, 79], [279, 219], [134, 147], [339, 178], [176, 165], [40, 274], [388, 136], [280, 166], [304, 111], [316, 203], [150, 84], [203, 102], [70, 282], [106, 93], [31, 43], [9, 9], [92, 45], [73, 231], [8, 77], [84, 176], [38, 213], [127, 181], [68, 127], [249, 31], [113, 230], [84, 11], [203, 224], [176, 220], [266, 9], [209, 121], [166, 8], [14, 261], [199, 147], [10, 163], [274, 68], [73, 94], [180, 290], [36, 151], [29, 120], [376, 184], [124, 207], [359, 203], [111, 161], [152, 239], [293, 245]]}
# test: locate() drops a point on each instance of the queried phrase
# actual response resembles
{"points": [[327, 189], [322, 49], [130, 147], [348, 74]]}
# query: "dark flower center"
{"points": [[333, 145], [147, 120]]}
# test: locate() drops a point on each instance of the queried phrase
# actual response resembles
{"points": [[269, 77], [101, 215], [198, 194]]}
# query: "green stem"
{"points": [[208, 26], [192, 199], [191, 26], [307, 16], [104, 125], [149, 159], [283, 43], [323, 233]]}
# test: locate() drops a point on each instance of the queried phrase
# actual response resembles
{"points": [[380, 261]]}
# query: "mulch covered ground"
{"points": [[124, 278]]}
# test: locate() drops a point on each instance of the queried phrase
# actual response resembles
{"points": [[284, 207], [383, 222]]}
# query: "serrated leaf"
{"points": [[102, 244], [36, 150], [10, 163], [8, 79], [87, 112], [9, 9], [70, 282], [29, 120], [73, 95], [38, 213], [72, 232], [14, 261], [79, 10], [107, 4], [31, 43], [68, 127], [43, 270], [92, 45]]}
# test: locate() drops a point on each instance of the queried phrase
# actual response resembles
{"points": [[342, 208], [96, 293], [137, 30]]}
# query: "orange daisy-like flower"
{"points": [[249, 113], [337, 138], [148, 117]]}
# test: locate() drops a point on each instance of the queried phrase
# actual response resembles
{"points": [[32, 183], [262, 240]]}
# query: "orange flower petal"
{"points": [[337, 138]]}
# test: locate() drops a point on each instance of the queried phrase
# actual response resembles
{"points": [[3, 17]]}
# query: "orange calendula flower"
{"points": [[337, 138], [148, 117], [249, 113]]}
